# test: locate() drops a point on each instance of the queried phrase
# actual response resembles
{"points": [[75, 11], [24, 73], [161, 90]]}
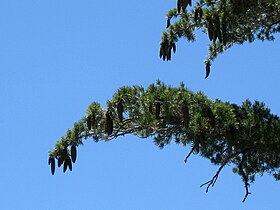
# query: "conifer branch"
{"points": [[218, 131]]}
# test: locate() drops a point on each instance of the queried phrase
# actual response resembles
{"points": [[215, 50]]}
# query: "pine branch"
{"points": [[226, 23], [218, 131]]}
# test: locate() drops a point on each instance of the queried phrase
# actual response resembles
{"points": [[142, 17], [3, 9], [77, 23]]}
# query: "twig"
{"points": [[189, 154], [243, 174], [245, 177], [215, 178], [247, 192], [122, 126]]}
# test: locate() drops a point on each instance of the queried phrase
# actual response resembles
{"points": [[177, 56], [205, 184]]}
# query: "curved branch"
{"points": [[218, 131]]}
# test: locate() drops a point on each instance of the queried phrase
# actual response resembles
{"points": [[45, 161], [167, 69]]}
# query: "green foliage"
{"points": [[226, 22], [246, 137]]}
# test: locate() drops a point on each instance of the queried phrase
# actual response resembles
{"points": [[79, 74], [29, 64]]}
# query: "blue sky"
{"points": [[56, 57]]}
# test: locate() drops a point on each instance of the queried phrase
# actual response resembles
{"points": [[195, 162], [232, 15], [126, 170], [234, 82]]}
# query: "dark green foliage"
{"points": [[201, 139], [246, 137], [185, 113], [196, 145], [209, 114], [226, 22], [151, 109]]}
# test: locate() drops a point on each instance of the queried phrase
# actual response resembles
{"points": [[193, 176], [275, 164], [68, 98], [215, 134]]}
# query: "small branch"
{"points": [[121, 133], [244, 177], [215, 178], [121, 126], [247, 192], [186, 159]]}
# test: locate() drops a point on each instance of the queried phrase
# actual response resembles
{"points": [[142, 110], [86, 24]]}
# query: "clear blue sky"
{"points": [[56, 57]]}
